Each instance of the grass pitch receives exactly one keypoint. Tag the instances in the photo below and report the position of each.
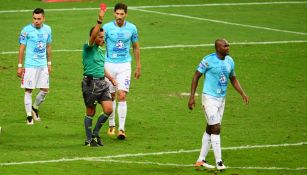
(164, 137)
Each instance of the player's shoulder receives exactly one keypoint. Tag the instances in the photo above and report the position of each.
(108, 25)
(46, 27)
(129, 24)
(28, 27)
(210, 57)
(229, 58)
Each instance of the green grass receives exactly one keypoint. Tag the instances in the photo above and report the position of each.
(158, 118)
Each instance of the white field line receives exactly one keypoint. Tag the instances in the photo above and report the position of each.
(222, 22)
(161, 6)
(181, 46)
(147, 154)
(191, 165)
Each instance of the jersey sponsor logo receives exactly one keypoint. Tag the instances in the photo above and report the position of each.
(40, 47)
(222, 79)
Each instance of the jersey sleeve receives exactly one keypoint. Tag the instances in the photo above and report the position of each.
(23, 37)
(135, 36)
(203, 66)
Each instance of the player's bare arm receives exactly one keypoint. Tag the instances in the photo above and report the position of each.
(49, 57)
(235, 83)
(20, 60)
(136, 52)
(194, 84)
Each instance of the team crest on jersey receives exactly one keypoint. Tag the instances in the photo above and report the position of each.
(45, 35)
(127, 35)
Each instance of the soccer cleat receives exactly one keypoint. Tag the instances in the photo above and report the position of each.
(35, 114)
(220, 166)
(30, 120)
(203, 163)
(98, 140)
(121, 135)
(91, 143)
(111, 131)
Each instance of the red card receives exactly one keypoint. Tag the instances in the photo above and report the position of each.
(103, 7)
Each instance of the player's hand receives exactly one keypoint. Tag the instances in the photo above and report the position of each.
(245, 99)
(191, 103)
(20, 72)
(137, 73)
(49, 69)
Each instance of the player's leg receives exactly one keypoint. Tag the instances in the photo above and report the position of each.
(111, 68)
(216, 112)
(28, 83)
(123, 89)
(43, 84)
(28, 106)
(206, 140)
(112, 124)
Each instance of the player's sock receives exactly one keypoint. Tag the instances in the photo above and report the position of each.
(204, 147)
(88, 127)
(28, 103)
(100, 121)
(216, 145)
(40, 97)
(112, 116)
(122, 113)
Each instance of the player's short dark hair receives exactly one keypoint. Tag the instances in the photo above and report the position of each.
(39, 11)
(121, 6)
(100, 30)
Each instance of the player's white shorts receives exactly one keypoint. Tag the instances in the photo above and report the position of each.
(35, 78)
(213, 108)
(122, 74)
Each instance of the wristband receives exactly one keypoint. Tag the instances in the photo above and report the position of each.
(49, 63)
(19, 65)
(99, 22)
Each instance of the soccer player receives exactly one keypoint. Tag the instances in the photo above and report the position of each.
(35, 39)
(217, 68)
(119, 35)
(94, 87)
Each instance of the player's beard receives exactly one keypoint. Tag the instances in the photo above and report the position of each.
(120, 21)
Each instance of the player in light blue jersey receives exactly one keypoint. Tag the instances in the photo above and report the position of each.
(34, 62)
(217, 68)
(119, 36)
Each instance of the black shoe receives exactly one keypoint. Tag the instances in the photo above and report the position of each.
(35, 114)
(91, 143)
(98, 140)
(30, 120)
